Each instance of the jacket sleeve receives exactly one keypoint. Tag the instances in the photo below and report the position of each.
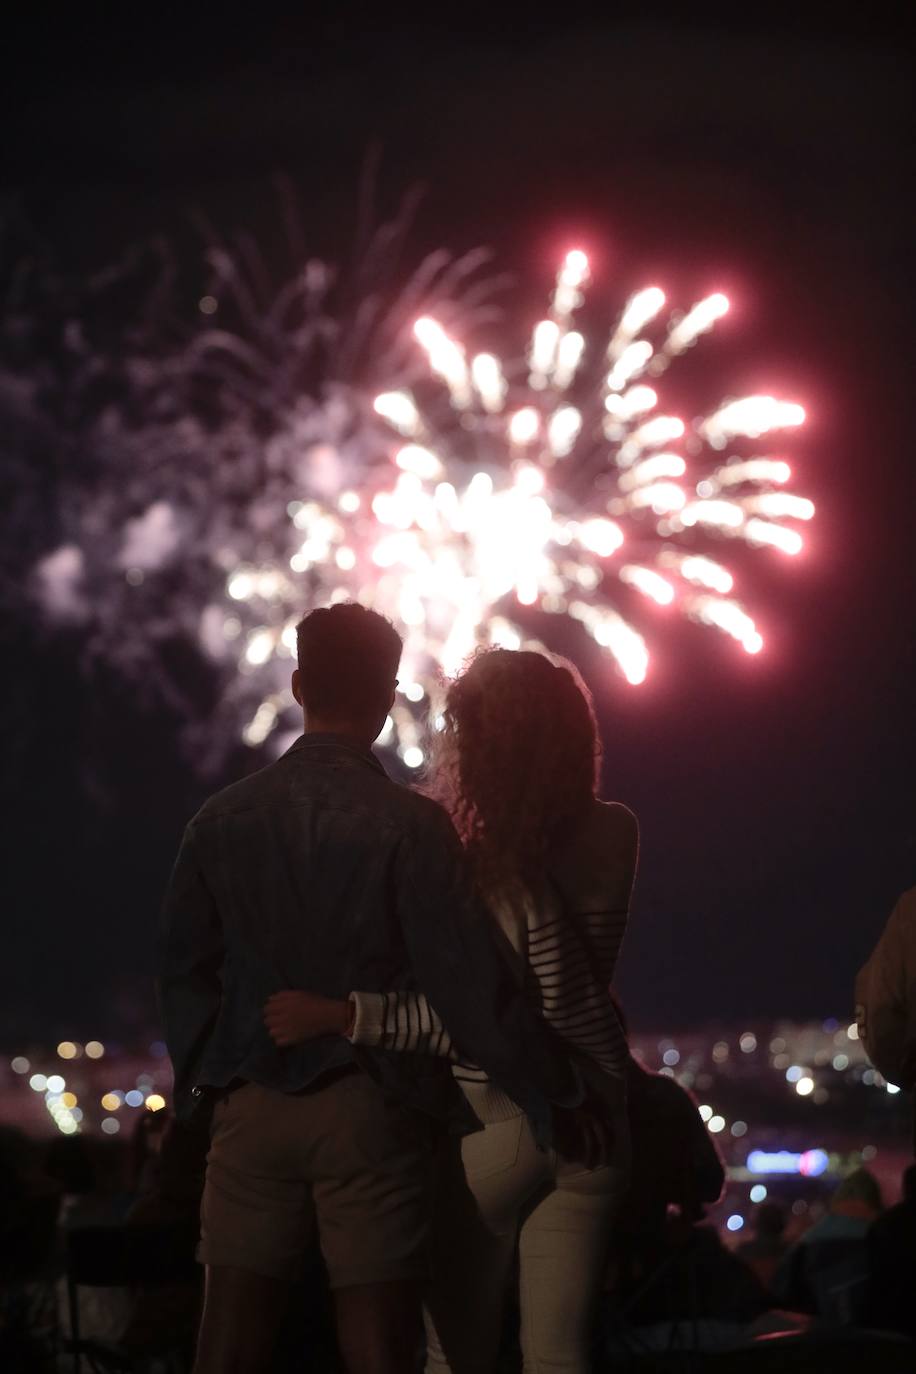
(451, 941)
(886, 997)
(190, 968)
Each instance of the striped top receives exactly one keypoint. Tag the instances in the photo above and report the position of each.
(566, 951)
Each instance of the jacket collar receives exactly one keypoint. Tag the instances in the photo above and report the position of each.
(339, 744)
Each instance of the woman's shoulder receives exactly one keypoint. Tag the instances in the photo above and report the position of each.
(599, 857)
(611, 824)
(613, 814)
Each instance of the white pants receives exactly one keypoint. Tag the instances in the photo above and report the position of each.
(559, 1214)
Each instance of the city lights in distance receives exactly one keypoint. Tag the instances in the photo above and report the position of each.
(94, 1049)
(810, 1163)
(155, 1102)
(758, 1192)
(735, 1222)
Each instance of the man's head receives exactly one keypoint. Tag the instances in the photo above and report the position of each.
(347, 673)
(857, 1190)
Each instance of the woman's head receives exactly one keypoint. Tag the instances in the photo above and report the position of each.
(517, 762)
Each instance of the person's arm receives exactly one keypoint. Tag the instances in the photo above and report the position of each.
(401, 1021)
(452, 944)
(886, 997)
(189, 984)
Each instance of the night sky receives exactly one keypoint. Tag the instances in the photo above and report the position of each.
(776, 794)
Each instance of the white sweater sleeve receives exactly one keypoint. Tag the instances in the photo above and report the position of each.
(401, 1021)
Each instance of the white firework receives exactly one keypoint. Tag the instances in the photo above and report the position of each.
(546, 485)
(300, 450)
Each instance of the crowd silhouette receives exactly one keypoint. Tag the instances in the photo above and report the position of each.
(672, 1287)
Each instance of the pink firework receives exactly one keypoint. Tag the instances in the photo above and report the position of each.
(547, 483)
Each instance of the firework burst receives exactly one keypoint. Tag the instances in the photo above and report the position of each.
(328, 442)
(547, 484)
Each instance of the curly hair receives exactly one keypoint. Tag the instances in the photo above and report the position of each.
(516, 764)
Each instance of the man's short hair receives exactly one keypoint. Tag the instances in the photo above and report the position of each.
(348, 660)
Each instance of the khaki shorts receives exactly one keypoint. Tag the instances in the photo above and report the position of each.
(342, 1164)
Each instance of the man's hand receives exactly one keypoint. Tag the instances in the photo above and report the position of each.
(583, 1135)
(293, 1017)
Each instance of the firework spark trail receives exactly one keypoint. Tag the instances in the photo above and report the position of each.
(469, 487)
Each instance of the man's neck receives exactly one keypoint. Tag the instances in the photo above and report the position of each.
(344, 730)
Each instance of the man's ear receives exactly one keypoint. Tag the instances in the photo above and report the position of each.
(296, 686)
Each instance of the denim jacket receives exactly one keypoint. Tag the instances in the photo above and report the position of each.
(319, 872)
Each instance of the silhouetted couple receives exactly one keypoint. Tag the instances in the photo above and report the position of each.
(398, 1004)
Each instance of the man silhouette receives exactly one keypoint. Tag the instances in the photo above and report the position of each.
(320, 872)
